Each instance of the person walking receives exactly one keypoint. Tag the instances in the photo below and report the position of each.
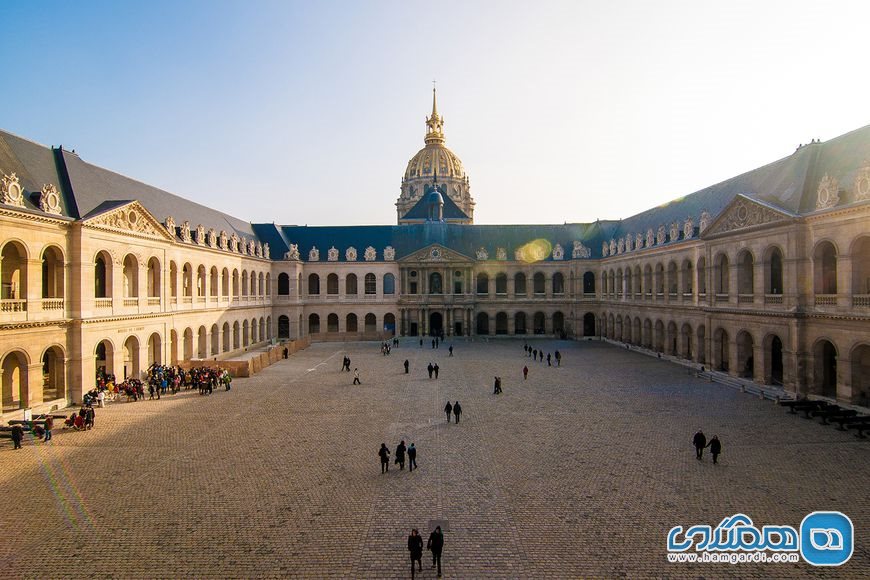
(457, 411)
(496, 387)
(412, 457)
(450, 350)
(525, 373)
(436, 545)
(535, 354)
(384, 454)
(400, 454)
(448, 408)
(558, 358)
(435, 368)
(700, 442)
(407, 364)
(49, 425)
(356, 376)
(17, 436)
(715, 447)
(548, 360)
(415, 547)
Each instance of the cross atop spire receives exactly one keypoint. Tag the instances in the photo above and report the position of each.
(434, 123)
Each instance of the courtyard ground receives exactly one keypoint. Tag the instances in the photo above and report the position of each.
(580, 471)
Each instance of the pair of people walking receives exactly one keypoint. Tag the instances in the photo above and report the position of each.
(433, 369)
(700, 443)
(401, 450)
(345, 364)
(456, 409)
(435, 544)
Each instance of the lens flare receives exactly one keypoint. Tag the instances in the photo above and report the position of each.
(534, 251)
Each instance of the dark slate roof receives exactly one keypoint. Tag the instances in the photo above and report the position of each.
(35, 167)
(465, 239)
(421, 209)
(94, 185)
(790, 183)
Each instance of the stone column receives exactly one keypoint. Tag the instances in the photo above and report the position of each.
(844, 371)
(758, 364)
(844, 285)
(33, 292)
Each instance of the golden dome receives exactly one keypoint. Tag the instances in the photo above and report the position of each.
(435, 157)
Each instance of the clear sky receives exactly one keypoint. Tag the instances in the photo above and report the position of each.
(308, 112)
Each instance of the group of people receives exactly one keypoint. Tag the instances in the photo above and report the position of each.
(456, 409)
(699, 441)
(401, 450)
(433, 369)
(81, 421)
(434, 545)
(538, 355)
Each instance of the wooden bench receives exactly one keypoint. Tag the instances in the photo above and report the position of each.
(845, 421)
(832, 413)
(805, 406)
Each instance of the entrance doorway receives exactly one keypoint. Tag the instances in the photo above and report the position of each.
(436, 324)
(414, 330)
(457, 329)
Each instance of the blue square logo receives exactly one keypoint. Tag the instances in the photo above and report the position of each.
(827, 538)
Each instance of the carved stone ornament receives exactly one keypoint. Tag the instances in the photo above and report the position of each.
(620, 246)
(675, 232)
(558, 252)
(704, 221)
(185, 232)
(243, 245)
(200, 235)
(350, 254)
(49, 200)
(482, 254)
(128, 219)
(500, 254)
(370, 254)
(604, 248)
(252, 248)
(293, 253)
(389, 253)
(224, 241)
(650, 238)
(332, 254)
(661, 236)
(612, 247)
(314, 254)
(688, 228)
(638, 241)
(829, 192)
(628, 240)
(212, 238)
(580, 251)
(10, 191)
(743, 214)
(170, 225)
(259, 249)
(234, 243)
(266, 251)
(862, 183)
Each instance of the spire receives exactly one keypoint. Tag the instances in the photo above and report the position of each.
(434, 123)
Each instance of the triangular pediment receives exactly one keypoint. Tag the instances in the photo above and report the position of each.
(745, 213)
(129, 218)
(435, 253)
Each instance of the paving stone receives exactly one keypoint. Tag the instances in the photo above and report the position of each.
(580, 471)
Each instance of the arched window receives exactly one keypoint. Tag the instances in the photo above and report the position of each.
(774, 272)
(745, 273)
(52, 273)
(389, 284)
(371, 284)
(350, 323)
(314, 287)
(313, 324)
(482, 283)
(284, 285)
(825, 268)
(435, 285)
(350, 286)
(588, 283)
(283, 326)
(520, 284)
(501, 288)
(371, 323)
(861, 268)
(332, 322)
(225, 282)
(332, 288)
(721, 274)
(538, 283)
(131, 276)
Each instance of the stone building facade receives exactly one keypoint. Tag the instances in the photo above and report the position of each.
(764, 276)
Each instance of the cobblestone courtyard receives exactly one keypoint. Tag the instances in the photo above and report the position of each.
(579, 471)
